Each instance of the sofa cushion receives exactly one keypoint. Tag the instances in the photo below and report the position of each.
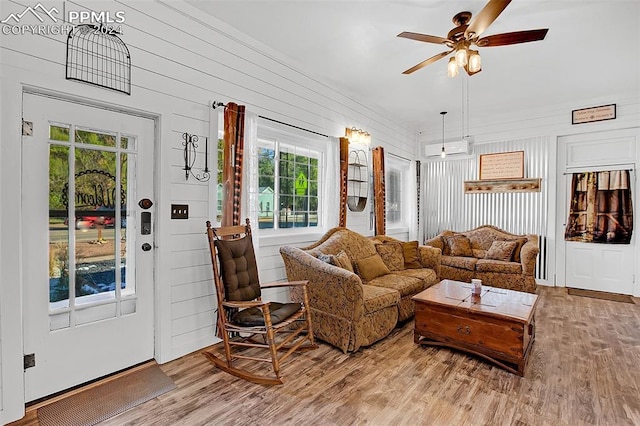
(404, 284)
(392, 255)
(371, 267)
(501, 250)
(342, 260)
(377, 298)
(459, 245)
(489, 265)
(459, 262)
(428, 276)
(410, 252)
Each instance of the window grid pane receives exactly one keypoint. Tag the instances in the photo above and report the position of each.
(288, 183)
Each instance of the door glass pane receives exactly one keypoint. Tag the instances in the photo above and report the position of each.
(95, 138)
(96, 198)
(59, 132)
(58, 226)
(127, 221)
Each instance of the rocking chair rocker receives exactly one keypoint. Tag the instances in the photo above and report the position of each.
(243, 316)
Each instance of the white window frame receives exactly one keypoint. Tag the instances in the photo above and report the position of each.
(269, 135)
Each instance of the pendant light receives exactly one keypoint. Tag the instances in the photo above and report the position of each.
(443, 154)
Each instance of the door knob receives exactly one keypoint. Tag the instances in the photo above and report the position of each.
(146, 247)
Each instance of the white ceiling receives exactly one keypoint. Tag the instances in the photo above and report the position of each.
(352, 45)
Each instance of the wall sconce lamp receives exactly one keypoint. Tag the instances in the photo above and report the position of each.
(190, 152)
(357, 136)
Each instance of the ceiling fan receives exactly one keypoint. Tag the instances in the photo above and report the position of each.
(467, 34)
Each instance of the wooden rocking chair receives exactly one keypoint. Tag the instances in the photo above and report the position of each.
(242, 315)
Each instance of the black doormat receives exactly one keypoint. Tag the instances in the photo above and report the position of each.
(600, 295)
(107, 398)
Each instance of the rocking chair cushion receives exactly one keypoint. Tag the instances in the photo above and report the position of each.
(238, 269)
(252, 317)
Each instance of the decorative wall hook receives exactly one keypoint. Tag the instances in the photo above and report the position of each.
(217, 104)
(190, 151)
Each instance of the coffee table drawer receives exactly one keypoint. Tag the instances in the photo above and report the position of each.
(470, 329)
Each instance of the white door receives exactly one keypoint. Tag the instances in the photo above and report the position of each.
(596, 266)
(87, 244)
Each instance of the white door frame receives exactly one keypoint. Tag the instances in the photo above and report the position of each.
(606, 164)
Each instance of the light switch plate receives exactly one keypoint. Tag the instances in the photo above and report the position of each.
(179, 211)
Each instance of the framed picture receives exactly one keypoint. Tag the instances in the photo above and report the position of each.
(502, 165)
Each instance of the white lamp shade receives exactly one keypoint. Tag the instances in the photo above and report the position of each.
(461, 57)
(452, 68)
(475, 62)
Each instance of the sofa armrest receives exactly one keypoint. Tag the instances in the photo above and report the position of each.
(331, 289)
(430, 258)
(528, 254)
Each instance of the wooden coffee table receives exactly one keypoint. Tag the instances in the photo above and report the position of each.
(498, 325)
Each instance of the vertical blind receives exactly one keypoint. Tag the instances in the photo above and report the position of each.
(446, 206)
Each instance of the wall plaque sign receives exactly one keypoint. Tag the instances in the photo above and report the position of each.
(502, 165)
(588, 115)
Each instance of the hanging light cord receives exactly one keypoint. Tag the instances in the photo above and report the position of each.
(443, 154)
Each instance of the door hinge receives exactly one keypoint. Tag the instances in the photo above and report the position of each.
(29, 361)
(27, 128)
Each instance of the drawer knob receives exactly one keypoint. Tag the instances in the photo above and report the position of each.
(466, 330)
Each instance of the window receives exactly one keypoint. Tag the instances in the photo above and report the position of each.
(396, 181)
(289, 167)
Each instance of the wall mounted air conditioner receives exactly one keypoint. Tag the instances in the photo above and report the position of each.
(451, 148)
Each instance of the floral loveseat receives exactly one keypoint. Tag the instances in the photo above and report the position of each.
(498, 258)
(359, 287)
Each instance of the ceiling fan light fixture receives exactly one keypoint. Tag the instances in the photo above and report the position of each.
(475, 61)
(452, 68)
(461, 56)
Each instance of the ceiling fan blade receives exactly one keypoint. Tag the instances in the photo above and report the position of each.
(512, 38)
(424, 37)
(427, 62)
(487, 15)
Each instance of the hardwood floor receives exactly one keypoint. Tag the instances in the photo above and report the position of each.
(584, 370)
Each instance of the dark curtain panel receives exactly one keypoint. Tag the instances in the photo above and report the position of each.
(237, 172)
(601, 210)
(344, 166)
(232, 169)
(379, 190)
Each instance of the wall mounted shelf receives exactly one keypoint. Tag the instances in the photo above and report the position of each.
(502, 185)
(357, 181)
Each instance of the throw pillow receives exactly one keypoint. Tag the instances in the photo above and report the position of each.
(459, 245)
(327, 258)
(392, 256)
(371, 267)
(501, 250)
(410, 253)
(445, 246)
(516, 252)
(342, 260)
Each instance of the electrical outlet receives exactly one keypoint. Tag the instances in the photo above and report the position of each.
(179, 211)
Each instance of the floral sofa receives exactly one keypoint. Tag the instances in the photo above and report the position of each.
(360, 287)
(498, 258)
